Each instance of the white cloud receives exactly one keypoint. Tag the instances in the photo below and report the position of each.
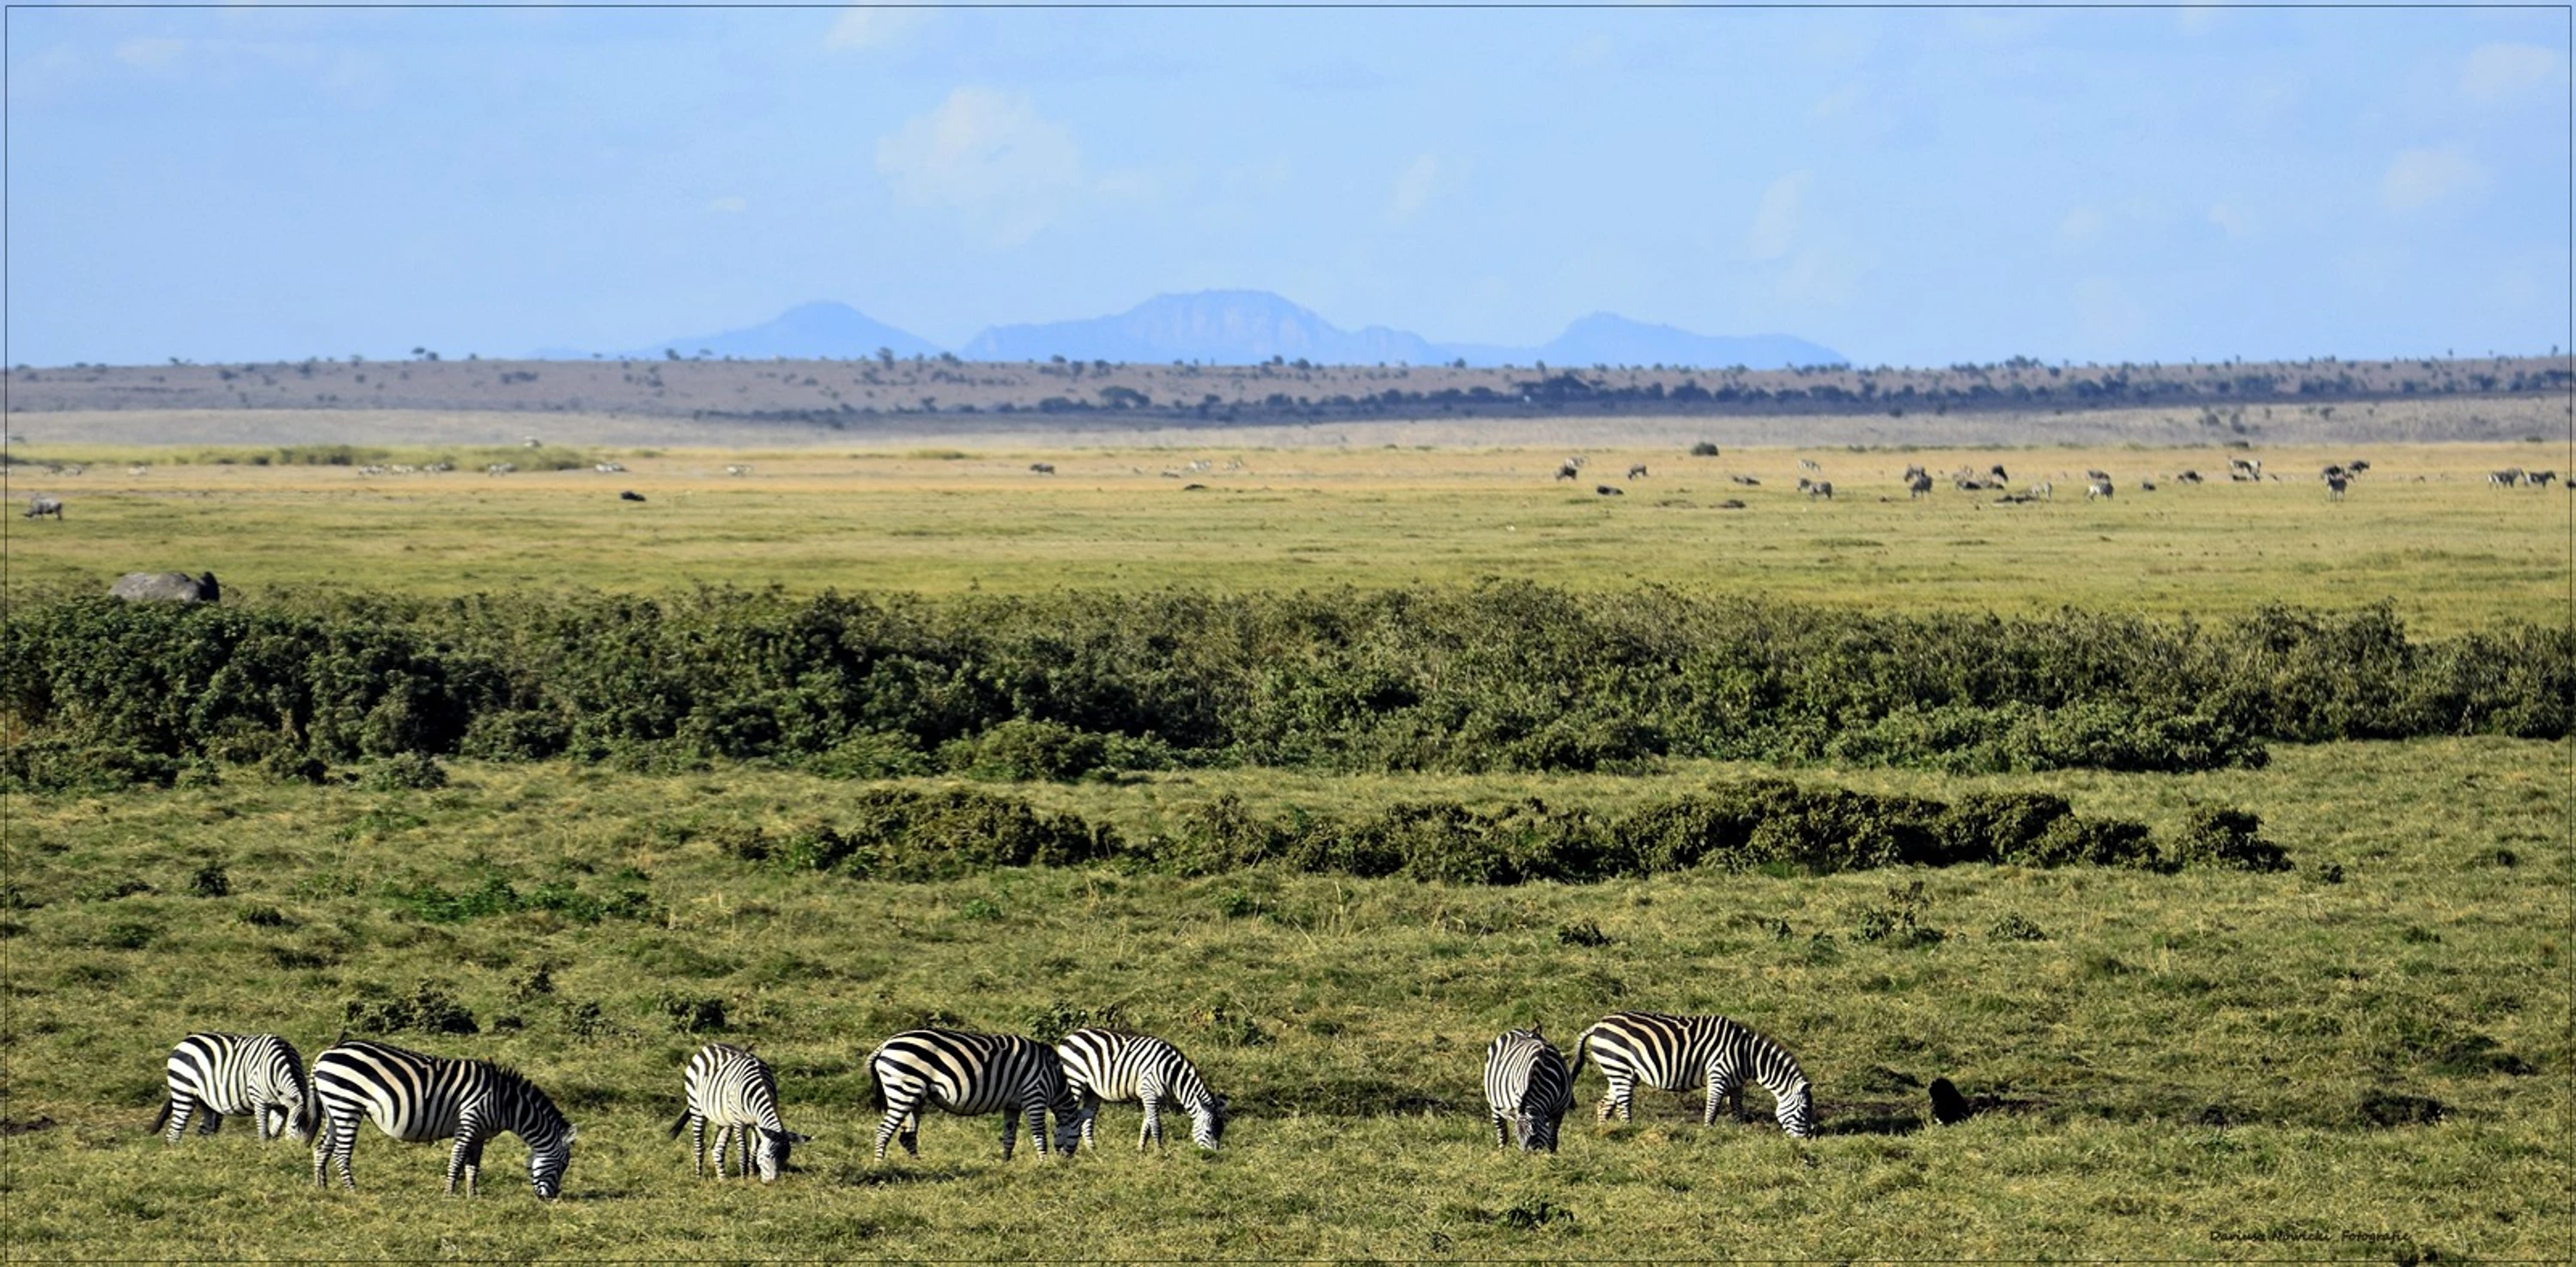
(1777, 220)
(731, 205)
(2422, 178)
(1425, 180)
(2502, 72)
(151, 52)
(862, 28)
(986, 154)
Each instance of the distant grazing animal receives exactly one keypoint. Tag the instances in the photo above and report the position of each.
(2146, 486)
(1106, 1065)
(2334, 472)
(500, 468)
(610, 468)
(1527, 1087)
(1569, 470)
(1805, 464)
(2506, 478)
(1746, 480)
(2188, 477)
(420, 1099)
(735, 1092)
(2356, 466)
(1684, 1053)
(1730, 504)
(2097, 475)
(1917, 482)
(970, 1075)
(2096, 487)
(1193, 488)
(2244, 469)
(437, 468)
(40, 506)
(1609, 490)
(166, 587)
(2335, 483)
(1996, 473)
(1638, 471)
(1816, 488)
(2043, 489)
(1043, 468)
(629, 495)
(2539, 479)
(1949, 1108)
(223, 1075)
(373, 470)
(139, 468)
(738, 468)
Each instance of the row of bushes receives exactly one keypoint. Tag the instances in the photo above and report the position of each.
(1765, 825)
(1504, 676)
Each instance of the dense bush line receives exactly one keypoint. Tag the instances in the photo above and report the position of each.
(1495, 676)
(1755, 825)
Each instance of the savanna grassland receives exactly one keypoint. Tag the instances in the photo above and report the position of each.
(2363, 1055)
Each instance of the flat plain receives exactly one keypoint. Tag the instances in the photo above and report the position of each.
(2368, 1056)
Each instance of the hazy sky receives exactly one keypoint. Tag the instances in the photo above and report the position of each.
(1906, 187)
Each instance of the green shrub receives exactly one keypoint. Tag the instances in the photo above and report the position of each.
(430, 1008)
(404, 771)
(2213, 837)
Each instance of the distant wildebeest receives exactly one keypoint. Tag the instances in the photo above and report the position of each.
(629, 495)
(1569, 470)
(2097, 488)
(1637, 471)
(2539, 479)
(166, 587)
(2334, 472)
(1917, 481)
(2146, 486)
(1609, 490)
(1817, 488)
(1996, 473)
(2188, 477)
(1043, 468)
(2506, 478)
(40, 506)
(2356, 466)
(1746, 480)
(2335, 483)
(2104, 476)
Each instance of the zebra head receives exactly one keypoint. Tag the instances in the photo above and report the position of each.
(303, 1116)
(770, 1155)
(1797, 1111)
(548, 1158)
(1207, 1122)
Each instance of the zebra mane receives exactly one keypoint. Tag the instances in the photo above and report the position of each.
(509, 1078)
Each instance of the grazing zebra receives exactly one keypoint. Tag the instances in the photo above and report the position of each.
(970, 1075)
(1996, 473)
(1105, 1065)
(735, 1092)
(2044, 489)
(1746, 480)
(1526, 1083)
(1677, 1053)
(2539, 479)
(1816, 488)
(2243, 469)
(738, 469)
(219, 1074)
(2188, 477)
(501, 468)
(421, 1099)
(1808, 464)
(2096, 487)
(2506, 478)
(1609, 490)
(1917, 481)
(1569, 470)
(1637, 471)
(610, 468)
(1042, 468)
(2335, 484)
(38, 507)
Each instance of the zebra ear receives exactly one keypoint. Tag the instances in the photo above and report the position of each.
(572, 1134)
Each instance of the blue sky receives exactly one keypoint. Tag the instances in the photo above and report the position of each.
(1909, 187)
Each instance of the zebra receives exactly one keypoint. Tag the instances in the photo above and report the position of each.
(970, 1075)
(1569, 469)
(1676, 1053)
(38, 507)
(1042, 468)
(1816, 488)
(2188, 477)
(1746, 480)
(2096, 488)
(2506, 478)
(420, 1099)
(1609, 490)
(1106, 1065)
(735, 1092)
(1526, 1084)
(2539, 479)
(1917, 481)
(2244, 469)
(218, 1074)
(1637, 471)
(2335, 484)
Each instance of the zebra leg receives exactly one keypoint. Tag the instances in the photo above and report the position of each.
(698, 1143)
(1153, 1128)
(724, 1140)
(181, 1108)
(467, 1157)
(1011, 1132)
(344, 1147)
(1501, 1139)
(1089, 1115)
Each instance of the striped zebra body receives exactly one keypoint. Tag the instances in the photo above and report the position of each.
(970, 1075)
(1528, 1086)
(421, 1099)
(1680, 1053)
(1105, 1065)
(735, 1092)
(219, 1074)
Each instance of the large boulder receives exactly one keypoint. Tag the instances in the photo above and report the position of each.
(166, 587)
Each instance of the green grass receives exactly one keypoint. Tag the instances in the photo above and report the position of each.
(2179, 1059)
(2422, 529)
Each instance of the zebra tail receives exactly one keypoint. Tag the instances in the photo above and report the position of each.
(162, 1118)
(683, 1123)
(1582, 1044)
(876, 1089)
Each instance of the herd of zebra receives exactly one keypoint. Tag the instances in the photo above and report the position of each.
(420, 1098)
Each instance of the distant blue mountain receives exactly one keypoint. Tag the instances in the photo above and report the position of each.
(805, 331)
(1243, 327)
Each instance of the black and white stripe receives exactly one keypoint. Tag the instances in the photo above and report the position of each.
(1528, 1086)
(1680, 1053)
(421, 1099)
(735, 1092)
(1101, 1064)
(969, 1075)
(220, 1074)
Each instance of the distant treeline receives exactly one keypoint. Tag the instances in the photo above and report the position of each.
(1501, 676)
